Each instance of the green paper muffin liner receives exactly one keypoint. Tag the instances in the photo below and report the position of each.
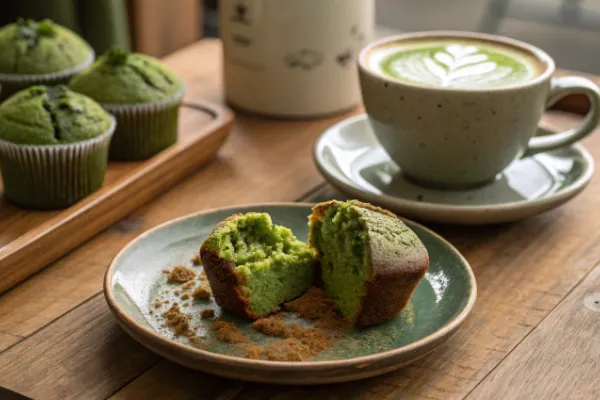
(46, 177)
(144, 130)
(12, 83)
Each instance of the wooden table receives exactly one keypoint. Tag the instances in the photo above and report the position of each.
(534, 332)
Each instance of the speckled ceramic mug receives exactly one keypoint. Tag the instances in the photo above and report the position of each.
(454, 109)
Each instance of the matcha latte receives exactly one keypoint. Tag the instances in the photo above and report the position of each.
(455, 63)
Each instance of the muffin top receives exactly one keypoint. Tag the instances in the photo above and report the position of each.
(118, 77)
(30, 47)
(50, 115)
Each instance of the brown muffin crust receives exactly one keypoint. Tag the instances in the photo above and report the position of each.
(225, 284)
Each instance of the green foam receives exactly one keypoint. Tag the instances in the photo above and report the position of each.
(409, 65)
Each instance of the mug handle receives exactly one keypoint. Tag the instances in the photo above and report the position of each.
(560, 87)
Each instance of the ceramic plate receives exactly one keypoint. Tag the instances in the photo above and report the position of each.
(350, 157)
(135, 279)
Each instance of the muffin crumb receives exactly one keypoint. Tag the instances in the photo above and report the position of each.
(178, 321)
(188, 285)
(254, 352)
(228, 332)
(315, 305)
(202, 292)
(185, 296)
(180, 274)
(316, 339)
(207, 313)
(287, 350)
(197, 260)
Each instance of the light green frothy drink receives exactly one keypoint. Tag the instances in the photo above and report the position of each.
(454, 64)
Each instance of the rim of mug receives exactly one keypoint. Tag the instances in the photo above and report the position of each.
(535, 51)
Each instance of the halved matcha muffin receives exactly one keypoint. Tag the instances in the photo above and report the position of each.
(53, 146)
(142, 94)
(371, 262)
(41, 52)
(253, 265)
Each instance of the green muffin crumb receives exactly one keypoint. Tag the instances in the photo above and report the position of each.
(50, 115)
(274, 266)
(119, 77)
(342, 233)
(31, 47)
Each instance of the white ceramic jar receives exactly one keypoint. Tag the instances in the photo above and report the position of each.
(293, 58)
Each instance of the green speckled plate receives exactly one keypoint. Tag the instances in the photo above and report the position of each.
(134, 281)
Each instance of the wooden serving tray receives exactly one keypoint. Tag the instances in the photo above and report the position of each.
(30, 240)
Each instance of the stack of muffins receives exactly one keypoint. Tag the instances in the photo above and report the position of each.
(55, 140)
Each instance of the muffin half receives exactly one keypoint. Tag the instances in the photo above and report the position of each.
(371, 262)
(253, 265)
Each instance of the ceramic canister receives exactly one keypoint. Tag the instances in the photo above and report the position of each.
(293, 58)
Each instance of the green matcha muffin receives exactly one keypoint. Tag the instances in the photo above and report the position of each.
(143, 95)
(253, 266)
(39, 53)
(53, 146)
(371, 262)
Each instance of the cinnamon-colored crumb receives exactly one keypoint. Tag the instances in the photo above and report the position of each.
(196, 259)
(188, 285)
(254, 352)
(202, 276)
(272, 326)
(180, 274)
(207, 313)
(185, 296)
(176, 292)
(196, 340)
(316, 339)
(157, 303)
(177, 320)
(201, 292)
(287, 350)
(228, 332)
(166, 271)
(315, 305)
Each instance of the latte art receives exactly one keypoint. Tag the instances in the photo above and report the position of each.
(455, 65)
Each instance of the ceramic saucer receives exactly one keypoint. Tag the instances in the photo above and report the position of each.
(350, 157)
(136, 291)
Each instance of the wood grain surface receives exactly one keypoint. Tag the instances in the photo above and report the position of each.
(532, 277)
(7, 340)
(29, 240)
(561, 355)
(81, 356)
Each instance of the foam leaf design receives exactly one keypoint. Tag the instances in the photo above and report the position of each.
(455, 65)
